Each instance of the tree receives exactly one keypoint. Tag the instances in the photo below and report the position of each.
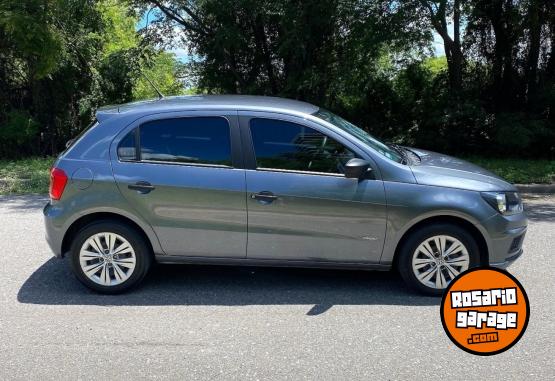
(440, 12)
(48, 48)
(513, 43)
(60, 60)
(368, 60)
(165, 72)
(288, 48)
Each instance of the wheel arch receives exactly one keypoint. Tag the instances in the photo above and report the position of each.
(89, 218)
(447, 219)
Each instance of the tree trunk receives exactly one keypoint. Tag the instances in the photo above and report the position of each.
(534, 49)
(551, 61)
(262, 47)
(456, 52)
(503, 61)
(452, 46)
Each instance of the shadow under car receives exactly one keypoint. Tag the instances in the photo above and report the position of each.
(187, 285)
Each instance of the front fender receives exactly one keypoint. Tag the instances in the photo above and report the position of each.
(426, 202)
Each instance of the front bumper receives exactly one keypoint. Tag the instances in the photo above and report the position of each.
(506, 236)
(508, 261)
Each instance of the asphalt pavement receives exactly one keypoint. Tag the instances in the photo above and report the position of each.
(201, 322)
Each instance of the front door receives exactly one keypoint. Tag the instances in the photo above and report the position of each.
(300, 205)
(182, 180)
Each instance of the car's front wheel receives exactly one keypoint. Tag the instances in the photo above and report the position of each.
(109, 257)
(434, 255)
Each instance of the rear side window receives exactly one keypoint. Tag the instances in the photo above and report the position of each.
(199, 140)
(290, 146)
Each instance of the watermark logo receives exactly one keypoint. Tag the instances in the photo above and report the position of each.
(485, 311)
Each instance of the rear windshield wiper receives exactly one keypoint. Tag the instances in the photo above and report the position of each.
(70, 142)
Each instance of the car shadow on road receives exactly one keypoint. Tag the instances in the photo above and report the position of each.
(540, 212)
(23, 203)
(53, 284)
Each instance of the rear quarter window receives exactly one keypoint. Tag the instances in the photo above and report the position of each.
(90, 145)
(126, 148)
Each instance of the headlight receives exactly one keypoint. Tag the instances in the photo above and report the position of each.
(506, 203)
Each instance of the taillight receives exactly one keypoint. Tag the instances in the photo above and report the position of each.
(58, 181)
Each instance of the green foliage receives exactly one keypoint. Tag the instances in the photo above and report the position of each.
(19, 127)
(519, 171)
(119, 27)
(119, 71)
(164, 73)
(435, 65)
(59, 61)
(369, 61)
(18, 132)
(25, 25)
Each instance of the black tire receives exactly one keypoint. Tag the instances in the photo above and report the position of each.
(143, 255)
(408, 248)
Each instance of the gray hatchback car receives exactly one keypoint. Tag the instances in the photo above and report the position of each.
(247, 180)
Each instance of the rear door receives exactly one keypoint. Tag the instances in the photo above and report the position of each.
(181, 172)
(300, 205)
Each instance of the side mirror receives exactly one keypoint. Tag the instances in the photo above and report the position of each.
(356, 168)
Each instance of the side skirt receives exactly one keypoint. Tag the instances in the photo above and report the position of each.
(270, 263)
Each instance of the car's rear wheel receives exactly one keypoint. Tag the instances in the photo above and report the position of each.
(434, 255)
(109, 257)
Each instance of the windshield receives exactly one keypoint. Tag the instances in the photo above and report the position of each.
(359, 133)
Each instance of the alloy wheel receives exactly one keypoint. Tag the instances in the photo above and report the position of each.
(107, 259)
(438, 260)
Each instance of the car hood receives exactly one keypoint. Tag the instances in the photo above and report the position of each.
(445, 171)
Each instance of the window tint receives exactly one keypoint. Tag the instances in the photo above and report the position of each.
(285, 145)
(126, 148)
(203, 140)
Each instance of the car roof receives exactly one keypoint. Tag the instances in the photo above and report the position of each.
(206, 102)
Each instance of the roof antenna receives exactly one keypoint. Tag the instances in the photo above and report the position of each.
(160, 95)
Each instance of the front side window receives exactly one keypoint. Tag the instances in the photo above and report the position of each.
(195, 140)
(290, 146)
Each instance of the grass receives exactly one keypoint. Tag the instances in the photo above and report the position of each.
(519, 171)
(32, 175)
(25, 176)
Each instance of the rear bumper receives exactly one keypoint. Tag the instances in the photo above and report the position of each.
(54, 235)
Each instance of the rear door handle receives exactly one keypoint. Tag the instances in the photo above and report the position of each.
(264, 197)
(142, 187)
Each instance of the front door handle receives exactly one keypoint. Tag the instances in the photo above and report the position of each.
(264, 197)
(142, 187)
